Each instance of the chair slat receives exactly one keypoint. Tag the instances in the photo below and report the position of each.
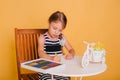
(28, 46)
(32, 46)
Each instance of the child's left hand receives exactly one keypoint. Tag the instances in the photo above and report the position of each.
(69, 56)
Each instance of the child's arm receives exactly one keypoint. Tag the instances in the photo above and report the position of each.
(41, 41)
(71, 51)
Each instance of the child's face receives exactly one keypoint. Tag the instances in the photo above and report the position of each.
(55, 29)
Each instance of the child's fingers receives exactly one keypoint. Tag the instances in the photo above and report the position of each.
(57, 58)
(68, 57)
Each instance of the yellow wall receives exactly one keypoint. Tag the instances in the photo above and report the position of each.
(91, 20)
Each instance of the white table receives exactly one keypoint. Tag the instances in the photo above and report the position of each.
(73, 68)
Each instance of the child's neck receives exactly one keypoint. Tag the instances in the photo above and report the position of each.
(50, 37)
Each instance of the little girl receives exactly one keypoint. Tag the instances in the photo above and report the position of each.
(52, 42)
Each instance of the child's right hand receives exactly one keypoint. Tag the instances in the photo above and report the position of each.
(56, 58)
(69, 56)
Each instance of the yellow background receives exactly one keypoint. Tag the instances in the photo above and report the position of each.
(91, 20)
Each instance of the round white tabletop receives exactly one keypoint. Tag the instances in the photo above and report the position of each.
(73, 68)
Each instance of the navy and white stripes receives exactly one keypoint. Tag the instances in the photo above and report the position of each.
(52, 47)
(43, 76)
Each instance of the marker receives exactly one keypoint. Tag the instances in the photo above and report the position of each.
(56, 54)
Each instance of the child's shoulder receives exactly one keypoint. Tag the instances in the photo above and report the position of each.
(41, 37)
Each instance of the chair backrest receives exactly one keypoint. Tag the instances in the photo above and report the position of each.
(26, 44)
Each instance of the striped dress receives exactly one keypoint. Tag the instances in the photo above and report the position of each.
(52, 48)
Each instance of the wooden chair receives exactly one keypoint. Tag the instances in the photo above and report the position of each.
(26, 49)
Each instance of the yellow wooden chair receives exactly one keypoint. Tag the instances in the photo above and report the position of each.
(26, 49)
